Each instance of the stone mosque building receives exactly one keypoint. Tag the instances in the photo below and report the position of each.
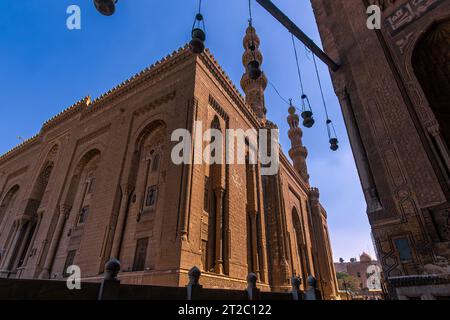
(394, 88)
(97, 182)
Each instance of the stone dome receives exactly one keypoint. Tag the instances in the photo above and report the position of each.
(364, 257)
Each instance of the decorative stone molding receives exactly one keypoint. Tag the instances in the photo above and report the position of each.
(406, 13)
(420, 280)
(220, 111)
(93, 135)
(156, 103)
(65, 209)
(228, 86)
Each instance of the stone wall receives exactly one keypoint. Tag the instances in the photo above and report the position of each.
(393, 131)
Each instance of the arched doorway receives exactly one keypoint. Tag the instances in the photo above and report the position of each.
(431, 62)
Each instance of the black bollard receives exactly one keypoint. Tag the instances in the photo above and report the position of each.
(252, 290)
(296, 293)
(194, 283)
(109, 288)
(312, 293)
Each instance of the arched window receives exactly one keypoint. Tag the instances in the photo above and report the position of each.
(83, 200)
(80, 197)
(25, 233)
(213, 199)
(431, 62)
(149, 169)
(250, 185)
(300, 244)
(148, 155)
(8, 203)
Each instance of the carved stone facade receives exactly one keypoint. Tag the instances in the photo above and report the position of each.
(394, 89)
(98, 182)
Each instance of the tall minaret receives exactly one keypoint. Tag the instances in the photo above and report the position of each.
(254, 89)
(298, 152)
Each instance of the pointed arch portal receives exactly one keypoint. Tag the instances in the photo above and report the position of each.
(431, 62)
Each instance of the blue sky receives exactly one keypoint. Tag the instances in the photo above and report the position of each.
(44, 68)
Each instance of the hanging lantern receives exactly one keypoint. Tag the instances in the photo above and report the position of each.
(332, 135)
(198, 34)
(197, 43)
(254, 66)
(254, 70)
(307, 114)
(308, 120)
(106, 7)
(334, 144)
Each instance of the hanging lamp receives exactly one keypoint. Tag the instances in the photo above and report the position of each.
(198, 33)
(333, 140)
(332, 136)
(307, 113)
(106, 7)
(254, 66)
(254, 70)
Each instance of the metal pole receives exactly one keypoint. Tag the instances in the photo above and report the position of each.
(298, 33)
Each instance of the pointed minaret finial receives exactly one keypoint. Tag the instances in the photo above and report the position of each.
(298, 152)
(254, 89)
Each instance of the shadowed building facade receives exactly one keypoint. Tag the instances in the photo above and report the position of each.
(98, 182)
(394, 90)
